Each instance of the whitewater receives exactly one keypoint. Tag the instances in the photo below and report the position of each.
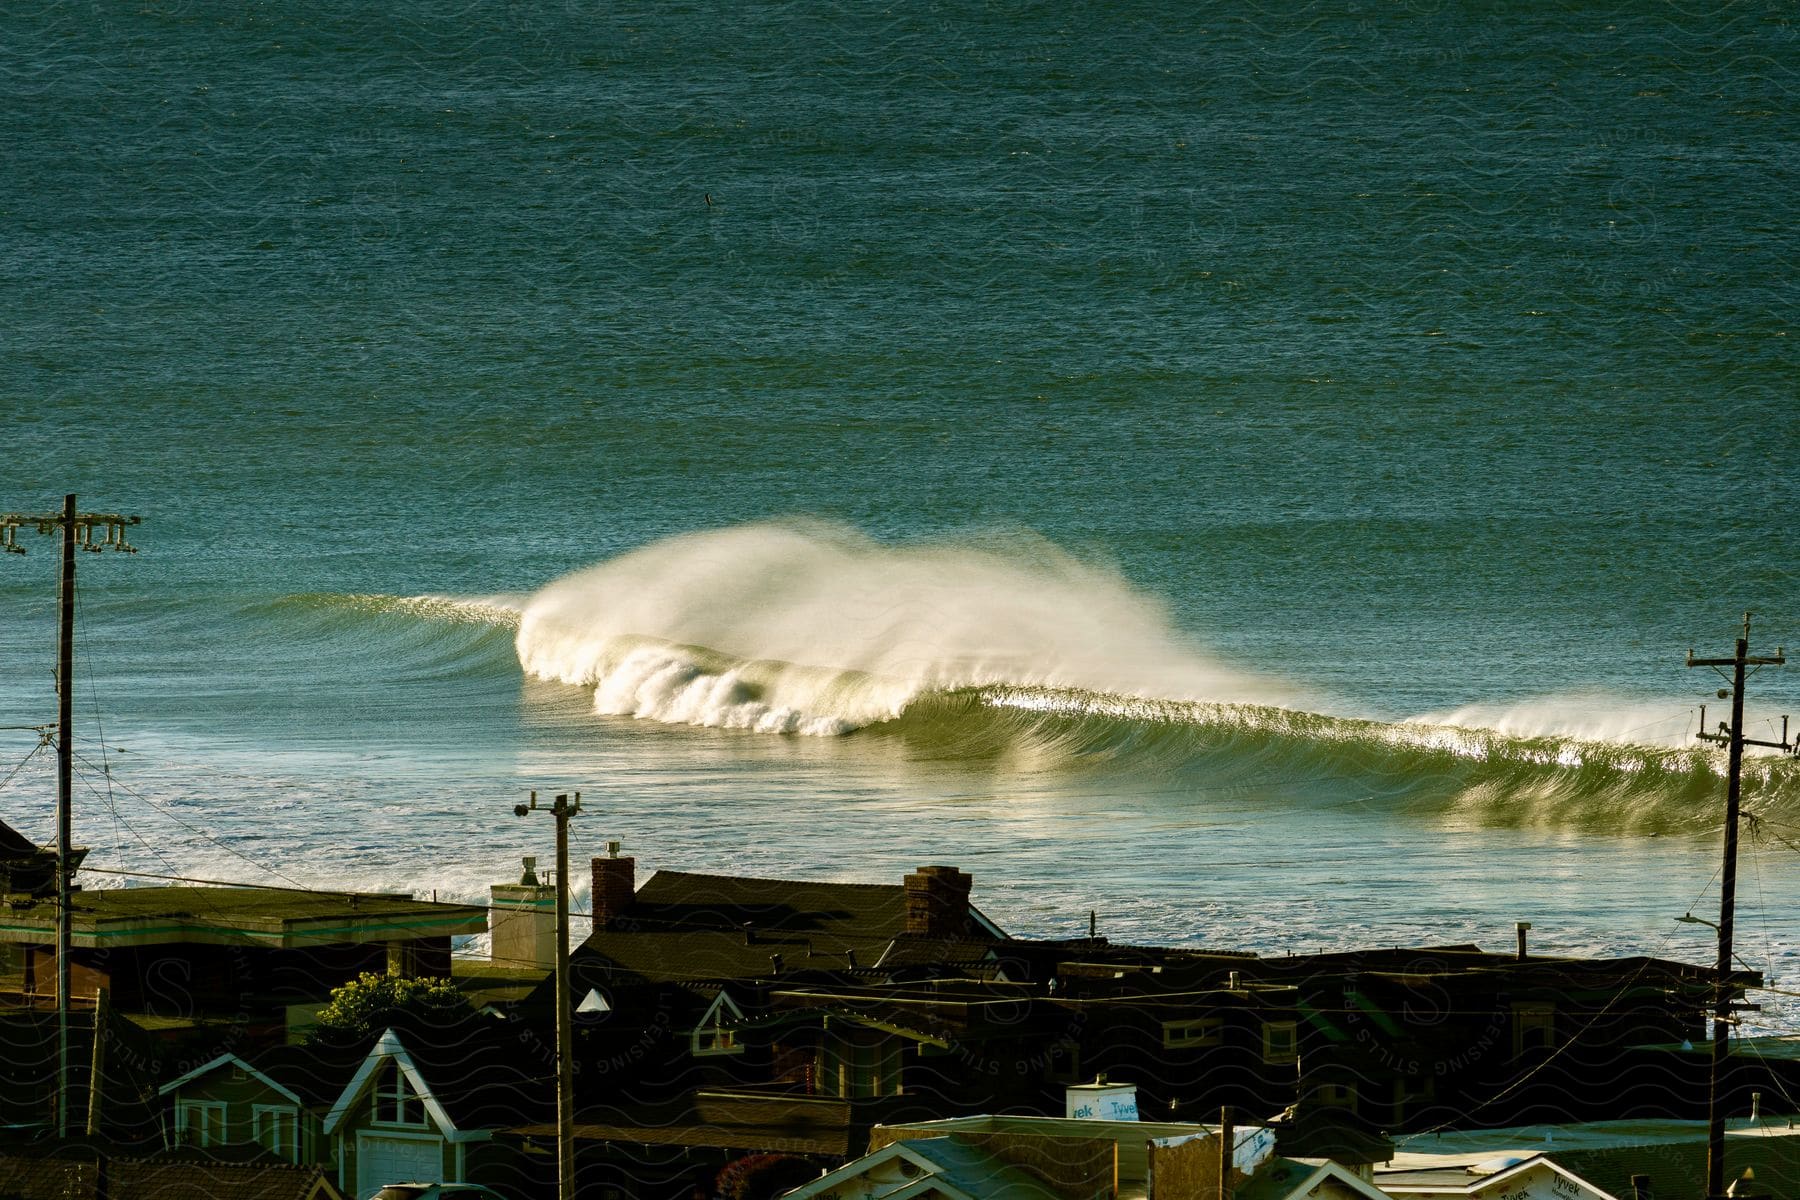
(1008, 649)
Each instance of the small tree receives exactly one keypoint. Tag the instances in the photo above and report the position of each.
(763, 1176)
(370, 1001)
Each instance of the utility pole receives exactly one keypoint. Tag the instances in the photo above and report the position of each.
(77, 530)
(1731, 736)
(562, 809)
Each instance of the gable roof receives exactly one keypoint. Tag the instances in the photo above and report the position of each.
(222, 1061)
(941, 1165)
(684, 927)
(1283, 1178)
(679, 899)
(1452, 1181)
(470, 1078)
(792, 1124)
(72, 1178)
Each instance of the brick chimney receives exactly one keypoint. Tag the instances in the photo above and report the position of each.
(615, 884)
(937, 902)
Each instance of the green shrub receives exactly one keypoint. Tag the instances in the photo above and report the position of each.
(370, 1002)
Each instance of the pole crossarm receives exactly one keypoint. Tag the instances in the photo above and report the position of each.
(1726, 980)
(77, 530)
(111, 525)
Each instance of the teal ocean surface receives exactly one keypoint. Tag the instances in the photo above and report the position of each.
(1254, 475)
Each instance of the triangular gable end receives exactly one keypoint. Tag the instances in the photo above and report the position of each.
(389, 1047)
(928, 1188)
(1343, 1175)
(323, 1189)
(715, 1013)
(1581, 1185)
(830, 1180)
(223, 1060)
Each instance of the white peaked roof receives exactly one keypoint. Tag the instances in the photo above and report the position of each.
(389, 1047)
(223, 1060)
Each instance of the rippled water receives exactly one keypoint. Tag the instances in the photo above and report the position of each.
(1255, 476)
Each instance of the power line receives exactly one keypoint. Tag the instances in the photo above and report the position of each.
(166, 811)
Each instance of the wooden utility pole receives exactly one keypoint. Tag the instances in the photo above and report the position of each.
(562, 809)
(77, 529)
(1731, 736)
(97, 1067)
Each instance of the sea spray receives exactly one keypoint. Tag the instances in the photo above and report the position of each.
(815, 628)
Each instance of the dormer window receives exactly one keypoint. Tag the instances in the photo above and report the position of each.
(396, 1103)
(1280, 1046)
(714, 1034)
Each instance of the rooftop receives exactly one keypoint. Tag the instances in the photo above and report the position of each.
(1462, 1148)
(150, 916)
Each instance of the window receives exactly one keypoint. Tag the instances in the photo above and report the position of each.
(715, 1041)
(396, 1103)
(1182, 1034)
(1534, 1026)
(277, 1128)
(1335, 1095)
(200, 1122)
(1279, 1044)
(711, 1036)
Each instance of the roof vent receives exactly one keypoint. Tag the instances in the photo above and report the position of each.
(529, 878)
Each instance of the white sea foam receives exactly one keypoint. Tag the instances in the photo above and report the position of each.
(1590, 718)
(810, 627)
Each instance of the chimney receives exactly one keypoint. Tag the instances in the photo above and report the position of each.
(615, 885)
(522, 921)
(937, 902)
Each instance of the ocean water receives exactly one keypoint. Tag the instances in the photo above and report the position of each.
(1252, 475)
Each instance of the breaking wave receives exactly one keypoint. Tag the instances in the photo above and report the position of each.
(1010, 650)
(814, 628)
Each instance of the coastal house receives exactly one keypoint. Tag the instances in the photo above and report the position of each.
(228, 965)
(425, 1102)
(276, 1101)
(1597, 1159)
(730, 1016)
(674, 970)
(1394, 1039)
(120, 1108)
(1051, 1158)
(82, 1175)
(688, 1052)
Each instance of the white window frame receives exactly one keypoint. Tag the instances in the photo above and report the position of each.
(394, 1092)
(274, 1115)
(1203, 1031)
(1286, 1057)
(711, 1039)
(212, 1122)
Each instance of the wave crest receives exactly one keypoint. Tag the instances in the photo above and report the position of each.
(815, 628)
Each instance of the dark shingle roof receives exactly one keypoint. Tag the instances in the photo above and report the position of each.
(862, 911)
(54, 1178)
(481, 1071)
(691, 928)
(787, 1124)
